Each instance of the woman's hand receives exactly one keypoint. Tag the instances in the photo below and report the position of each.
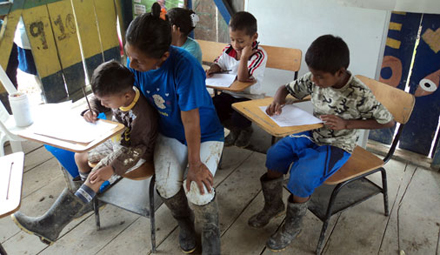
(101, 175)
(90, 116)
(201, 175)
(334, 122)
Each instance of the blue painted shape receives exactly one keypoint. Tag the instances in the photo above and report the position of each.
(75, 77)
(224, 9)
(53, 87)
(420, 130)
(113, 53)
(92, 63)
(407, 36)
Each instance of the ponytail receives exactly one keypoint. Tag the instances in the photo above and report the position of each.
(149, 33)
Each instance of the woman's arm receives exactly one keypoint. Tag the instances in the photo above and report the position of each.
(198, 172)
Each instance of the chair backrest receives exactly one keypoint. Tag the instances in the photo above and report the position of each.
(277, 57)
(398, 102)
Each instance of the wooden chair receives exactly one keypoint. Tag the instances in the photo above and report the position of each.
(361, 164)
(288, 59)
(135, 193)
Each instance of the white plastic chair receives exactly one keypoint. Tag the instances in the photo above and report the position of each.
(7, 122)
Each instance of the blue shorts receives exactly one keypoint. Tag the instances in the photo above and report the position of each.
(310, 165)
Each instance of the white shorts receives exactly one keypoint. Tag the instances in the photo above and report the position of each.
(170, 163)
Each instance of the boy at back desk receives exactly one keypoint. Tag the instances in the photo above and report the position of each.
(130, 153)
(244, 58)
(345, 105)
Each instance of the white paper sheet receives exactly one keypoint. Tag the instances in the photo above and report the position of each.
(292, 115)
(221, 80)
(73, 128)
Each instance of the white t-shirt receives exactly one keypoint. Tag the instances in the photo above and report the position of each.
(256, 66)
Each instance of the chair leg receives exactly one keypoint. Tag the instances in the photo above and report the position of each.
(152, 213)
(96, 209)
(327, 217)
(16, 146)
(385, 191)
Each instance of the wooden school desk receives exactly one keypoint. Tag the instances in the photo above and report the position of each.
(251, 110)
(39, 118)
(11, 182)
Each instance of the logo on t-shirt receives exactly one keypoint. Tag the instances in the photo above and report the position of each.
(159, 101)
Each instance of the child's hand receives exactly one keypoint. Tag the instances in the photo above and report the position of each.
(90, 116)
(275, 108)
(212, 70)
(247, 52)
(101, 175)
(201, 175)
(334, 122)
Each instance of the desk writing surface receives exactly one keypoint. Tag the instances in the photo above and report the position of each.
(47, 114)
(236, 86)
(70, 145)
(11, 181)
(251, 110)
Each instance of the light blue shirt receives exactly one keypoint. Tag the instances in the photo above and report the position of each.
(193, 47)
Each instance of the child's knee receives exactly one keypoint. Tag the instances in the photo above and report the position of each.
(166, 189)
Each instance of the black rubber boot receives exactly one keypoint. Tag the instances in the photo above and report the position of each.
(291, 227)
(178, 205)
(207, 215)
(49, 226)
(244, 138)
(273, 202)
(232, 137)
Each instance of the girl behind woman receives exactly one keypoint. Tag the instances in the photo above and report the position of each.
(183, 22)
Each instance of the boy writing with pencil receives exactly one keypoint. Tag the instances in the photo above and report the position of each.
(130, 153)
(244, 58)
(345, 105)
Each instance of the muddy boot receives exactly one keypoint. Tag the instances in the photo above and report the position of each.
(291, 227)
(207, 215)
(49, 226)
(178, 204)
(244, 138)
(273, 202)
(232, 137)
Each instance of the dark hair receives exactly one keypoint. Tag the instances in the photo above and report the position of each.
(182, 19)
(328, 53)
(149, 33)
(243, 21)
(111, 78)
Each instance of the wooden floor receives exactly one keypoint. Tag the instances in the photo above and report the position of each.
(413, 226)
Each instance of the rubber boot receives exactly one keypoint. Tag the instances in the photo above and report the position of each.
(244, 138)
(178, 204)
(207, 215)
(49, 226)
(291, 228)
(273, 202)
(232, 137)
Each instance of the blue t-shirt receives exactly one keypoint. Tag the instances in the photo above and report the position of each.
(193, 47)
(179, 85)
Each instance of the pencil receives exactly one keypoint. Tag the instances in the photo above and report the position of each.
(87, 100)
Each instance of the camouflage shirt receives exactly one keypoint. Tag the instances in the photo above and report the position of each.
(353, 101)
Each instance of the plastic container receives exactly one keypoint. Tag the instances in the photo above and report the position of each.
(20, 109)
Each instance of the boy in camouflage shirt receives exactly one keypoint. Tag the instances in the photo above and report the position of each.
(345, 105)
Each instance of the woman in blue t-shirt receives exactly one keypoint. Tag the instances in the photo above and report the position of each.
(190, 133)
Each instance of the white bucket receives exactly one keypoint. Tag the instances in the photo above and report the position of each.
(21, 109)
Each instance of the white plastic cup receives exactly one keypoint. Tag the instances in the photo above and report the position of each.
(20, 109)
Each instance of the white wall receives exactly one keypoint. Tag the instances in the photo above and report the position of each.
(296, 23)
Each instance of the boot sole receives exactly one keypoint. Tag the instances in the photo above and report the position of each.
(283, 212)
(189, 251)
(282, 249)
(43, 239)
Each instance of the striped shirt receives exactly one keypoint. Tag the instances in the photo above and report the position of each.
(256, 66)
